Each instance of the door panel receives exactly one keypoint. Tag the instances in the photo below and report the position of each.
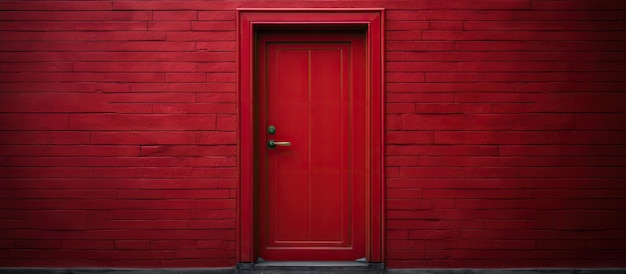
(311, 195)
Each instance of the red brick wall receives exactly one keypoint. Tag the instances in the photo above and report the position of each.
(506, 140)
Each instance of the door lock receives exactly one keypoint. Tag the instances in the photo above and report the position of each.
(271, 129)
(272, 144)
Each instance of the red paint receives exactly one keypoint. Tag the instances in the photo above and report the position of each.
(251, 20)
(123, 140)
(311, 195)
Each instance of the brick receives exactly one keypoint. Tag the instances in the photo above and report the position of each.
(37, 244)
(174, 15)
(205, 36)
(409, 137)
(403, 35)
(72, 46)
(420, 97)
(406, 25)
(126, 244)
(519, 122)
(462, 172)
(578, 5)
(496, 97)
(174, 5)
(404, 244)
(197, 161)
(69, 150)
(553, 88)
(420, 46)
(135, 66)
(217, 15)
(213, 214)
(448, 87)
(600, 121)
(432, 122)
(419, 204)
(606, 244)
(421, 66)
(426, 150)
(68, 220)
(491, 138)
(226, 122)
(226, 108)
(436, 108)
(514, 66)
(404, 77)
(217, 67)
(142, 122)
(121, 56)
(400, 108)
(186, 150)
(564, 161)
(185, 77)
(436, 224)
(561, 244)
(34, 172)
(563, 150)
(404, 193)
(83, 15)
(213, 25)
(44, 67)
(58, 6)
(444, 77)
(183, 87)
(44, 137)
(73, 26)
(198, 263)
(97, 36)
(393, 122)
(589, 137)
(169, 26)
(174, 194)
(63, 194)
(64, 87)
(87, 244)
(580, 193)
(142, 138)
(172, 244)
(51, 103)
(212, 224)
(216, 138)
(53, 77)
(445, 25)
(163, 172)
(541, 26)
(499, 35)
(553, 45)
(565, 172)
(216, 46)
(397, 234)
(34, 121)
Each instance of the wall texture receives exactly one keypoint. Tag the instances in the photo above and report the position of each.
(506, 132)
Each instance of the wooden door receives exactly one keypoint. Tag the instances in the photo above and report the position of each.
(311, 187)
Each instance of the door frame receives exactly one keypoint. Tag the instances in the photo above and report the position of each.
(248, 22)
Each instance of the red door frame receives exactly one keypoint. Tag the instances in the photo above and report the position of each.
(248, 22)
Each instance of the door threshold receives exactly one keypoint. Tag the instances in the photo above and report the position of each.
(311, 267)
(311, 264)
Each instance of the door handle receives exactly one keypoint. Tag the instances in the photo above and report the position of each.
(272, 144)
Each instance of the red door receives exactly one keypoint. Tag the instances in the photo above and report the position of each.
(312, 178)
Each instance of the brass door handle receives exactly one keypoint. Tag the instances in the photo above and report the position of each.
(272, 144)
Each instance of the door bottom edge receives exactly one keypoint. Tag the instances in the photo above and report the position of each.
(310, 266)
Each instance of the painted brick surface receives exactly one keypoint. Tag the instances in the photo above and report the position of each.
(505, 133)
